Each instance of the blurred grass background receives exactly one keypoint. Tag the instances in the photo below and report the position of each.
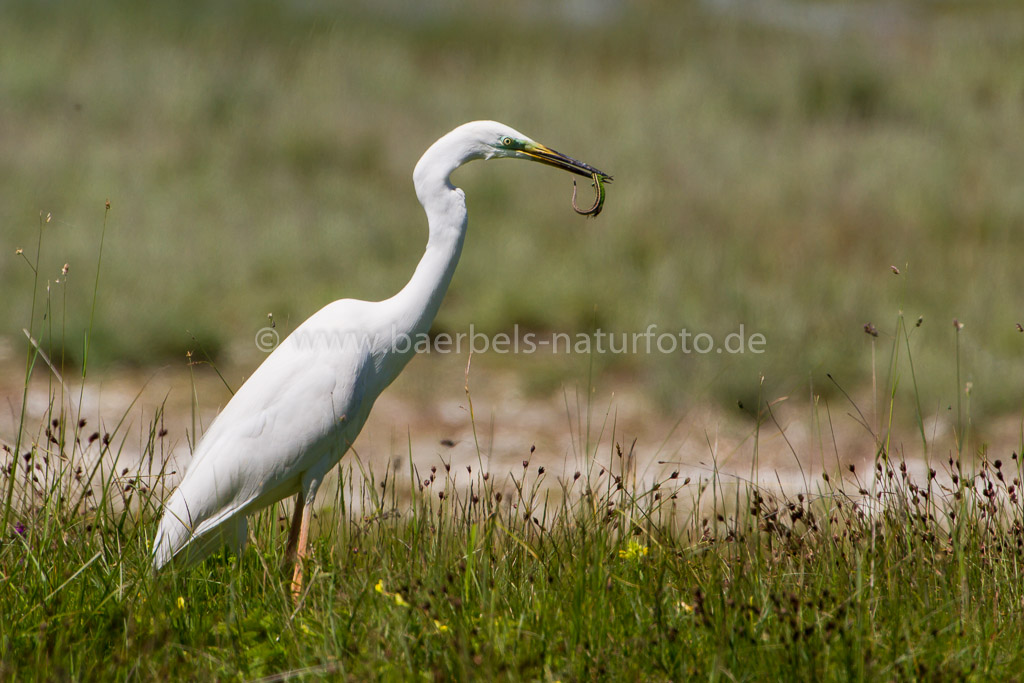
(771, 162)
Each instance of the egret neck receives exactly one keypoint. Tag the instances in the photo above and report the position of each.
(415, 306)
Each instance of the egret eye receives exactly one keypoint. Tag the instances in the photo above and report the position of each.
(506, 141)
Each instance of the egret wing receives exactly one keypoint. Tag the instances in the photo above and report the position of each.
(303, 404)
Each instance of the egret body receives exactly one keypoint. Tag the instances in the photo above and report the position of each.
(302, 409)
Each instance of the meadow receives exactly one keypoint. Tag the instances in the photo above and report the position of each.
(842, 178)
(508, 576)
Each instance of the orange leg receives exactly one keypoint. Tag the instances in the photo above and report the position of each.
(297, 538)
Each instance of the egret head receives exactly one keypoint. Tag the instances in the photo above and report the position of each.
(493, 140)
(507, 142)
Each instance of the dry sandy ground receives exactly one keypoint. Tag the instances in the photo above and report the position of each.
(425, 418)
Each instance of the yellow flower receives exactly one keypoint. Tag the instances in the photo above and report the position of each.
(397, 597)
(685, 607)
(440, 627)
(633, 550)
(181, 602)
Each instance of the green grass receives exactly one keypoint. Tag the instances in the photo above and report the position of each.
(510, 578)
(258, 159)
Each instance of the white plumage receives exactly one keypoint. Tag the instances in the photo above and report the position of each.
(301, 410)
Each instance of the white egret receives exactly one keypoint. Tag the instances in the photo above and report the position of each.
(300, 411)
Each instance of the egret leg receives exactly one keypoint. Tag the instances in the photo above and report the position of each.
(297, 538)
(298, 535)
